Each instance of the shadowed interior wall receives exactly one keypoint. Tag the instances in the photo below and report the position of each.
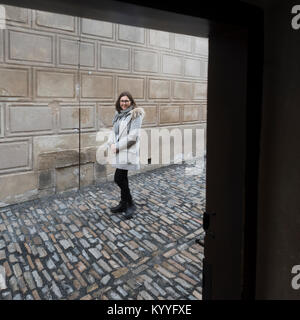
(279, 206)
(51, 65)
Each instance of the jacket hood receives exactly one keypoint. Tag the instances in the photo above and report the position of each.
(137, 112)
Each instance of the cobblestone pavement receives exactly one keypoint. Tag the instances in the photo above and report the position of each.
(70, 246)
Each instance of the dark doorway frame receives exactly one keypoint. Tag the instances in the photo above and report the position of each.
(235, 72)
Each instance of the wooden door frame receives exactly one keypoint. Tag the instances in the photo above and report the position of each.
(242, 26)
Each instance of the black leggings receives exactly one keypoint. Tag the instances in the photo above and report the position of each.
(121, 179)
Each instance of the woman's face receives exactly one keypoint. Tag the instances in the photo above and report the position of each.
(125, 102)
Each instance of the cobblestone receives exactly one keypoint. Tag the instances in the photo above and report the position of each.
(70, 246)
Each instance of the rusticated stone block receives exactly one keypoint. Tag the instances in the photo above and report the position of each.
(191, 113)
(195, 68)
(1, 121)
(14, 82)
(69, 53)
(204, 113)
(23, 118)
(46, 160)
(200, 90)
(183, 90)
(55, 20)
(133, 85)
(66, 178)
(66, 158)
(169, 114)
(31, 47)
(97, 28)
(88, 155)
(159, 38)
(131, 34)
(100, 173)
(97, 86)
(201, 46)
(69, 117)
(183, 43)
(114, 57)
(16, 155)
(159, 89)
(145, 61)
(55, 84)
(46, 179)
(87, 174)
(18, 184)
(1, 46)
(106, 115)
(172, 64)
(150, 115)
(16, 14)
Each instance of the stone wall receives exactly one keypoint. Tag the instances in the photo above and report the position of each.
(52, 66)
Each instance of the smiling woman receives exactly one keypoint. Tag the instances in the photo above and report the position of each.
(124, 142)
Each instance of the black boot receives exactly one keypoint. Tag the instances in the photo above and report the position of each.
(129, 210)
(121, 207)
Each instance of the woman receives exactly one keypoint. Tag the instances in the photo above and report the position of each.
(124, 144)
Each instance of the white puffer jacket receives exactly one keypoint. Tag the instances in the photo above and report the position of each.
(128, 141)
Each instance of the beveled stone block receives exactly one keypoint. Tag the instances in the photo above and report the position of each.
(200, 90)
(42, 144)
(106, 115)
(88, 155)
(159, 38)
(55, 20)
(14, 82)
(150, 115)
(29, 119)
(203, 113)
(16, 14)
(195, 68)
(183, 90)
(159, 89)
(97, 28)
(183, 43)
(52, 84)
(171, 64)
(145, 61)
(66, 158)
(19, 185)
(134, 85)
(69, 117)
(25, 46)
(1, 121)
(46, 160)
(17, 155)
(1, 45)
(69, 52)
(114, 58)
(66, 178)
(45, 179)
(201, 46)
(97, 86)
(169, 114)
(86, 174)
(191, 113)
(131, 34)
(99, 173)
